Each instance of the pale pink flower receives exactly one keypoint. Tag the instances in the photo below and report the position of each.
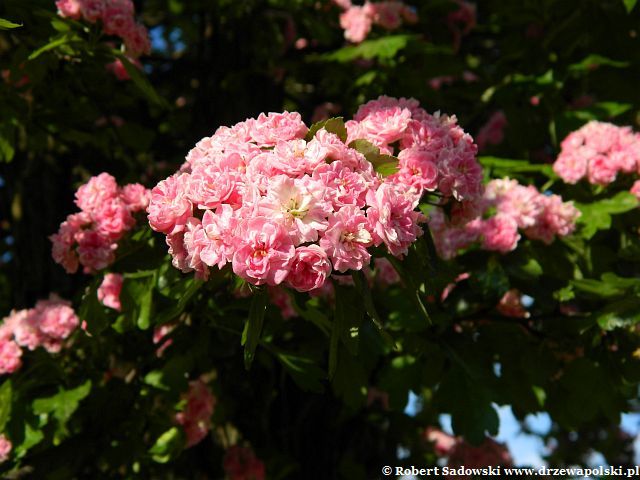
(297, 157)
(195, 240)
(268, 130)
(5, 448)
(571, 167)
(635, 189)
(356, 22)
(343, 185)
(169, 207)
(113, 219)
(417, 169)
(347, 238)
(69, 8)
(10, 361)
(195, 419)
(57, 320)
(557, 218)
(135, 196)
(95, 192)
(209, 187)
(264, 252)
(298, 205)
(95, 251)
(309, 269)
(219, 228)
(109, 290)
(601, 170)
(26, 329)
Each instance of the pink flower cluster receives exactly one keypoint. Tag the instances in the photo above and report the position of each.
(90, 237)
(117, 18)
(357, 21)
(240, 463)
(598, 151)
(461, 21)
(282, 209)
(460, 453)
(434, 152)
(517, 208)
(195, 419)
(46, 325)
(5, 448)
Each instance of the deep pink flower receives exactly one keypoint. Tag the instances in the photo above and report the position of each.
(240, 463)
(69, 8)
(309, 269)
(264, 252)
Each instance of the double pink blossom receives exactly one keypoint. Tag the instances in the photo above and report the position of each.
(357, 21)
(109, 290)
(195, 418)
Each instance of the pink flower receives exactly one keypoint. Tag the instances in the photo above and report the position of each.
(69, 8)
(5, 448)
(635, 189)
(109, 290)
(510, 305)
(309, 269)
(356, 22)
(136, 40)
(492, 132)
(170, 207)
(57, 320)
(195, 419)
(417, 168)
(268, 130)
(500, 233)
(392, 218)
(95, 192)
(347, 238)
(443, 443)
(10, 361)
(92, 10)
(240, 463)
(556, 218)
(135, 196)
(460, 177)
(599, 151)
(279, 297)
(113, 219)
(385, 273)
(95, 251)
(26, 329)
(116, 21)
(264, 252)
(219, 230)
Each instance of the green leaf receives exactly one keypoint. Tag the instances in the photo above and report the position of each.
(6, 149)
(505, 167)
(6, 393)
(168, 445)
(362, 287)
(384, 48)
(141, 81)
(93, 311)
(253, 326)
(350, 382)
(136, 298)
(32, 437)
(623, 313)
(62, 406)
(332, 125)
(59, 41)
(597, 215)
(304, 371)
(180, 295)
(594, 61)
(385, 165)
(629, 4)
(8, 25)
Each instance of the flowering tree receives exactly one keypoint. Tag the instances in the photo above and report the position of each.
(244, 270)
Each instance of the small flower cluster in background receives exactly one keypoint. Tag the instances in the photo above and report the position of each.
(598, 152)
(506, 209)
(357, 20)
(285, 207)
(46, 325)
(195, 419)
(240, 463)
(89, 238)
